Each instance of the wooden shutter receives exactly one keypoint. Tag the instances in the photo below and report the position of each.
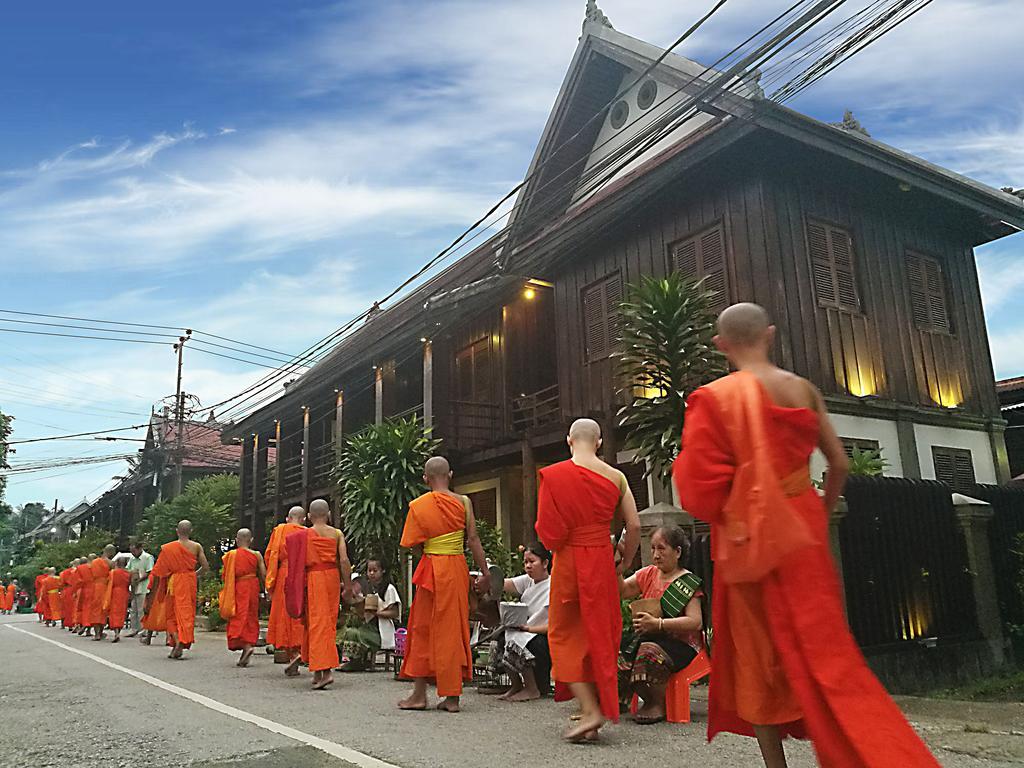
(832, 266)
(861, 444)
(702, 256)
(954, 466)
(634, 473)
(927, 293)
(485, 505)
(601, 319)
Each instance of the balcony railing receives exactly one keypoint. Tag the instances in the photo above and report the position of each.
(538, 409)
(291, 475)
(474, 425)
(416, 410)
(322, 465)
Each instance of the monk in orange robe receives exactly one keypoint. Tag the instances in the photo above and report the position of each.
(40, 594)
(8, 596)
(243, 573)
(100, 568)
(51, 601)
(176, 574)
(784, 661)
(67, 594)
(440, 524)
(578, 501)
(154, 617)
(314, 593)
(73, 586)
(84, 594)
(283, 632)
(117, 597)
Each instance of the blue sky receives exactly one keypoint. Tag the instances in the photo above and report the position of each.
(264, 170)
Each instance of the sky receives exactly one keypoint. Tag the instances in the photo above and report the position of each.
(265, 170)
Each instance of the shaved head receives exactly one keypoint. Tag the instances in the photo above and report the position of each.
(109, 551)
(296, 515)
(437, 467)
(244, 537)
(743, 325)
(184, 528)
(585, 431)
(92, 556)
(319, 510)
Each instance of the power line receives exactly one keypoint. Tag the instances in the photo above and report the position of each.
(68, 437)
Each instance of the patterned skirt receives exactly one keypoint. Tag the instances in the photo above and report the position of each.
(656, 659)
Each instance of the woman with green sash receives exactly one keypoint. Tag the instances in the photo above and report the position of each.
(661, 642)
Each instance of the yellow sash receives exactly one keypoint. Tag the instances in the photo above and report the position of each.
(797, 482)
(446, 544)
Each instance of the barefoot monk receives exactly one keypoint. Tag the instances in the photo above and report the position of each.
(283, 632)
(115, 602)
(175, 575)
(441, 523)
(784, 661)
(319, 573)
(578, 501)
(239, 600)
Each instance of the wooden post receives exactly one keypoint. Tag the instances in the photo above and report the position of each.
(244, 481)
(378, 394)
(259, 479)
(279, 455)
(974, 517)
(529, 491)
(307, 458)
(339, 411)
(428, 385)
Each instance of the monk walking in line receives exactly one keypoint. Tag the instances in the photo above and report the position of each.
(67, 596)
(40, 594)
(283, 632)
(12, 589)
(175, 575)
(319, 575)
(51, 603)
(440, 523)
(154, 617)
(100, 568)
(84, 594)
(785, 663)
(239, 600)
(578, 501)
(117, 597)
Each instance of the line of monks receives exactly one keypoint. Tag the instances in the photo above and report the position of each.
(784, 662)
(8, 594)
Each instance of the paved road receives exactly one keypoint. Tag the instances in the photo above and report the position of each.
(65, 700)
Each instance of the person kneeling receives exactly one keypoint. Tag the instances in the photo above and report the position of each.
(525, 656)
(381, 608)
(666, 638)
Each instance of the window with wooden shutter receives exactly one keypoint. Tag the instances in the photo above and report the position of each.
(832, 266)
(702, 256)
(861, 444)
(927, 293)
(634, 473)
(954, 467)
(601, 319)
(485, 505)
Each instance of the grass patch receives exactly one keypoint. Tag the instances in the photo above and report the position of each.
(1005, 686)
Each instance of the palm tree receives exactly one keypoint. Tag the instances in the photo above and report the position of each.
(666, 353)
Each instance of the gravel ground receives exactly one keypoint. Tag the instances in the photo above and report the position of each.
(59, 708)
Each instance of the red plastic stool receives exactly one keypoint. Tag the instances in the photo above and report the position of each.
(677, 693)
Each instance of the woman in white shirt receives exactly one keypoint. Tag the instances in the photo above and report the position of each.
(526, 657)
(361, 643)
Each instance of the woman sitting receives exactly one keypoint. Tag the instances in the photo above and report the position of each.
(525, 656)
(659, 646)
(382, 607)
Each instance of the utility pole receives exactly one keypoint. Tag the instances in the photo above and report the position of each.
(179, 415)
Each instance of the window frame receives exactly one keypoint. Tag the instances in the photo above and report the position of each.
(929, 326)
(725, 294)
(611, 327)
(958, 484)
(836, 303)
(861, 443)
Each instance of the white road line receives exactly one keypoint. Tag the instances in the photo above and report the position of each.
(336, 750)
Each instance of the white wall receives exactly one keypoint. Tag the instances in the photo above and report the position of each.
(976, 442)
(865, 429)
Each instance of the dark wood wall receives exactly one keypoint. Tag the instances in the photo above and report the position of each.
(762, 194)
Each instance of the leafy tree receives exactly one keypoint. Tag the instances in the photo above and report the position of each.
(667, 353)
(379, 471)
(494, 546)
(210, 503)
(867, 463)
(5, 434)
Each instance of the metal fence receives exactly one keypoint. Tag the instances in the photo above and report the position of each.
(1005, 530)
(905, 564)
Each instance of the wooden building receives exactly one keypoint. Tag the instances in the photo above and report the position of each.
(862, 253)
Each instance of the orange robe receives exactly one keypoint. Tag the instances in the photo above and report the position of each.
(177, 566)
(437, 645)
(117, 597)
(782, 652)
(100, 568)
(67, 598)
(51, 605)
(282, 630)
(239, 598)
(155, 617)
(9, 604)
(40, 593)
(321, 599)
(82, 594)
(574, 514)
